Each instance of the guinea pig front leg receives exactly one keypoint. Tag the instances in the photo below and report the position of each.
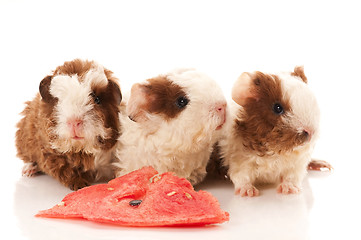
(288, 186)
(30, 169)
(80, 180)
(60, 167)
(197, 175)
(243, 178)
(291, 179)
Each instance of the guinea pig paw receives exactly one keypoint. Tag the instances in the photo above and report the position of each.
(30, 170)
(288, 188)
(319, 165)
(78, 184)
(247, 190)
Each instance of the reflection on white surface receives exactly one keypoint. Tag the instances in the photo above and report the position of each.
(34, 194)
(271, 215)
(319, 212)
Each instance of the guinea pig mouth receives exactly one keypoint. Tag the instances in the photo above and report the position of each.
(220, 126)
(220, 113)
(305, 136)
(77, 138)
(222, 123)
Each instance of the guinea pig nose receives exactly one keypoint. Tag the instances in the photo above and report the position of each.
(307, 134)
(221, 107)
(75, 123)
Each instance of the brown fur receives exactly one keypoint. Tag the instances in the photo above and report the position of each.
(215, 166)
(162, 95)
(299, 72)
(35, 138)
(76, 66)
(108, 110)
(260, 129)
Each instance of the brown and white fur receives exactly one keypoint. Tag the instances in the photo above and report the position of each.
(70, 128)
(172, 122)
(273, 129)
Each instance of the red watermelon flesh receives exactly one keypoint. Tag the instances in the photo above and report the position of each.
(166, 200)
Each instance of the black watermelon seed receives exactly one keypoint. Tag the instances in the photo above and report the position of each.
(135, 202)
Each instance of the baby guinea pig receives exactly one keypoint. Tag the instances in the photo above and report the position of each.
(70, 128)
(273, 129)
(171, 123)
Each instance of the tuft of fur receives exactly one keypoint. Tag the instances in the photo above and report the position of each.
(260, 146)
(64, 132)
(166, 136)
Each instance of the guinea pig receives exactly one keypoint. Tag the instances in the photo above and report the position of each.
(272, 131)
(69, 130)
(171, 122)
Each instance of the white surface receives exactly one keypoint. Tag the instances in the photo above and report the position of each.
(141, 39)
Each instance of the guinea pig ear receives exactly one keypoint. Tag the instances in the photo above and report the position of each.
(115, 90)
(299, 72)
(242, 88)
(44, 89)
(138, 103)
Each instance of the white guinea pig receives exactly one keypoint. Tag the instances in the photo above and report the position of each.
(272, 131)
(70, 128)
(171, 123)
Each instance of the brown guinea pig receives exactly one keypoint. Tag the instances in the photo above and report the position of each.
(273, 129)
(70, 128)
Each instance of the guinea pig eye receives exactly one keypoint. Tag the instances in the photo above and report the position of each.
(96, 98)
(278, 109)
(182, 101)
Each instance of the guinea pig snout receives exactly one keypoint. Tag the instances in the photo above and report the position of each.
(220, 109)
(76, 128)
(131, 118)
(306, 134)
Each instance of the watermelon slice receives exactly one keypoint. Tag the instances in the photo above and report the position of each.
(141, 198)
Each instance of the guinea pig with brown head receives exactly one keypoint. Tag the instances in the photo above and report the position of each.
(273, 130)
(70, 128)
(171, 123)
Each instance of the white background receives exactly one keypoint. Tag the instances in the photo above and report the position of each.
(141, 39)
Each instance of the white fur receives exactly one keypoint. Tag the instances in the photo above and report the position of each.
(183, 144)
(102, 160)
(30, 169)
(96, 76)
(305, 110)
(74, 102)
(247, 168)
